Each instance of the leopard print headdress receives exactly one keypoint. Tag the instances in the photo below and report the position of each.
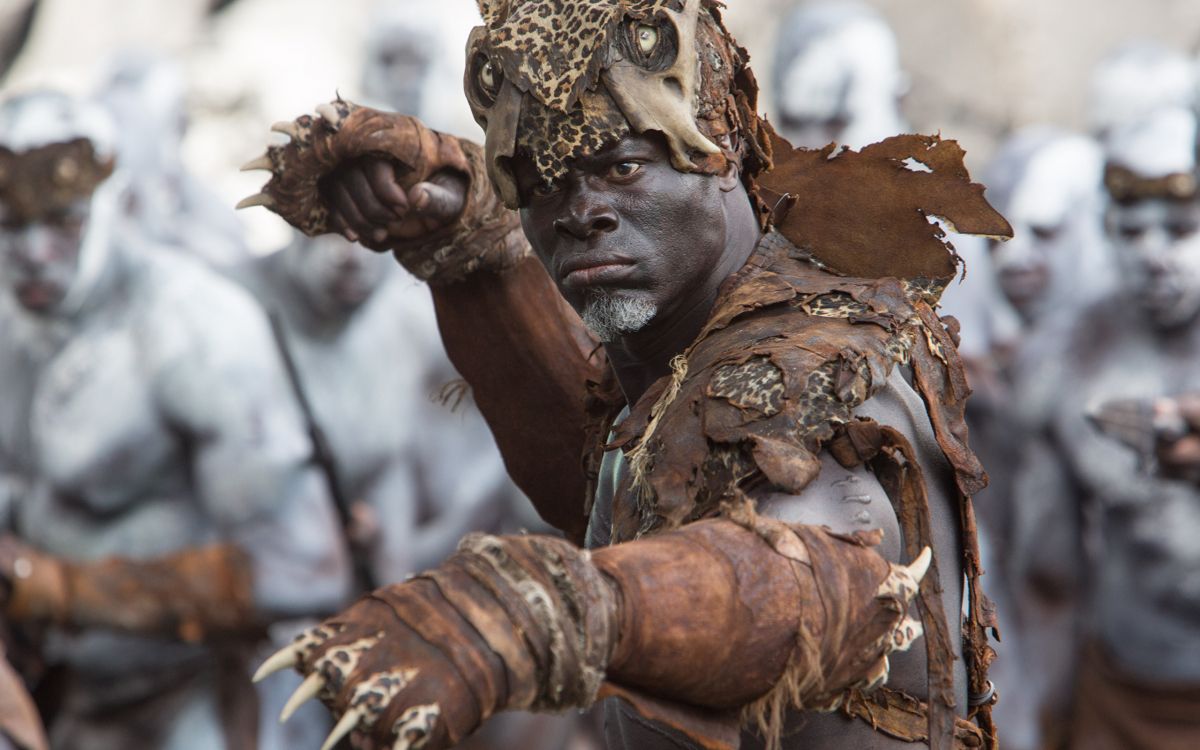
(560, 79)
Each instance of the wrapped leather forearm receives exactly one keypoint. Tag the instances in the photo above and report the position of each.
(191, 595)
(533, 622)
(486, 235)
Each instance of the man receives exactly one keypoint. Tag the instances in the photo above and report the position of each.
(354, 324)
(147, 96)
(629, 140)
(1048, 184)
(165, 503)
(1097, 510)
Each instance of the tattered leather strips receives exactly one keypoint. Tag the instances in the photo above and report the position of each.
(894, 462)
(899, 715)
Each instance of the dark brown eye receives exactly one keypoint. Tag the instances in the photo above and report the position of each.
(487, 77)
(624, 169)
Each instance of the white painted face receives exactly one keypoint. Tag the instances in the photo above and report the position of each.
(837, 77)
(43, 262)
(1157, 239)
(399, 60)
(1049, 193)
(1157, 245)
(39, 261)
(336, 277)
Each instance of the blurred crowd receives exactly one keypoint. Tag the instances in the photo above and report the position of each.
(212, 433)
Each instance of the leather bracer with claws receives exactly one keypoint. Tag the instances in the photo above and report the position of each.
(533, 622)
(486, 236)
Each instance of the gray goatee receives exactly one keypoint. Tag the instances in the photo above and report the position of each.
(610, 315)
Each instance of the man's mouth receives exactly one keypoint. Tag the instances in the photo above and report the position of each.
(578, 273)
(37, 295)
(1024, 284)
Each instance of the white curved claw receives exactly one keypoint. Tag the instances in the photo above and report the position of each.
(308, 689)
(919, 567)
(259, 162)
(329, 113)
(258, 199)
(287, 128)
(284, 658)
(346, 725)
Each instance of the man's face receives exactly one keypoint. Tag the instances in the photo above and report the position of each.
(1157, 243)
(39, 260)
(1024, 265)
(335, 276)
(625, 236)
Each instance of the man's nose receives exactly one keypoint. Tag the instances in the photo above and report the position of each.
(34, 246)
(1154, 252)
(585, 214)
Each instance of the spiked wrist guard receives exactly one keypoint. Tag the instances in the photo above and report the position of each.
(190, 595)
(532, 622)
(486, 235)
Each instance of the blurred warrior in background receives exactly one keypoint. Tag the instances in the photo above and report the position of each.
(1089, 505)
(837, 76)
(162, 491)
(1048, 185)
(147, 96)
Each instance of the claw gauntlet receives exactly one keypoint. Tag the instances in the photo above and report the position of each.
(485, 235)
(717, 615)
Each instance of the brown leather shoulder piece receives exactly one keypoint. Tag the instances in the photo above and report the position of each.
(866, 213)
(789, 352)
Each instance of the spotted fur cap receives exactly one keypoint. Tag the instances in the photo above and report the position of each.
(560, 79)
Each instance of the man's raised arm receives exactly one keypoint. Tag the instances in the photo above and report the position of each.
(392, 184)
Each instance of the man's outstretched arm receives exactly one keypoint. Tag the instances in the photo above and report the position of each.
(694, 623)
(392, 184)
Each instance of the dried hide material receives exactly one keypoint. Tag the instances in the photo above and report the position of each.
(775, 376)
(43, 182)
(202, 593)
(533, 622)
(789, 352)
(488, 237)
(561, 79)
(866, 213)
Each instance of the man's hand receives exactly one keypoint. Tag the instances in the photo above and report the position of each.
(390, 183)
(393, 686)
(367, 201)
(1178, 444)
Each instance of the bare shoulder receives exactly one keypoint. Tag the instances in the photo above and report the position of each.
(845, 500)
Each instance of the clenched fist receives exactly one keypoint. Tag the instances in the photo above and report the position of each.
(387, 181)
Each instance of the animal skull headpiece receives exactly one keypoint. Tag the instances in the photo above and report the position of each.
(559, 79)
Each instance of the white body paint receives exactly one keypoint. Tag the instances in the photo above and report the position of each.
(837, 76)
(146, 414)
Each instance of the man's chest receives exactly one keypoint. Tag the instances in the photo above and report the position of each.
(96, 430)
